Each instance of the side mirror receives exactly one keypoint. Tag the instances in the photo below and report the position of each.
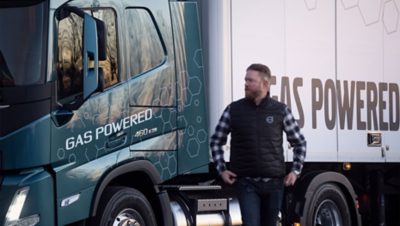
(93, 50)
(90, 54)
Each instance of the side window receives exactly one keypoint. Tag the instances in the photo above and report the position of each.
(145, 47)
(69, 64)
(110, 65)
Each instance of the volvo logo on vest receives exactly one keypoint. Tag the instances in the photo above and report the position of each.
(270, 119)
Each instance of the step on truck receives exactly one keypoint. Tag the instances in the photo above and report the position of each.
(106, 108)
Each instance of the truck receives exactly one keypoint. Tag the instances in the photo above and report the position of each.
(106, 107)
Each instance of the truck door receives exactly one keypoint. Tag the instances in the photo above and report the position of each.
(86, 127)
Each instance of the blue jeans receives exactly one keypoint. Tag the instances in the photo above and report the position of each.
(259, 201)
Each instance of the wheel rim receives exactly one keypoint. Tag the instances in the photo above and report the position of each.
(127, 217)
(328, 214)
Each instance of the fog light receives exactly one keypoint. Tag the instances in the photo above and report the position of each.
(16, 205)
(26, 221)
(14, 211)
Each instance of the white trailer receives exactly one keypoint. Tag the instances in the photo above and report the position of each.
(336, 64)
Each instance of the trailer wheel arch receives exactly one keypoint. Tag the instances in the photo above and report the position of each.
(312, 182)
(142, 167)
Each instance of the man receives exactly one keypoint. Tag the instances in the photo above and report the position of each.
(256, 124)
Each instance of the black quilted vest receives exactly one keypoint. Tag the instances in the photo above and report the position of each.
(256, 138)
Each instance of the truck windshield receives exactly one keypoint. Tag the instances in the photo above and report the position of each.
(22, 42)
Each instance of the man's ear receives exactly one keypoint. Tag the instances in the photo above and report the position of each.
(266, 83)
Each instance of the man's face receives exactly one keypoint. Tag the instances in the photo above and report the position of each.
(254, 84)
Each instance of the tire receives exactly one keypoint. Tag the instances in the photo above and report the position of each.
(124, 206)
(328, 207)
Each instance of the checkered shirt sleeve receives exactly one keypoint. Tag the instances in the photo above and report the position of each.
(296, 140)
(219, 138)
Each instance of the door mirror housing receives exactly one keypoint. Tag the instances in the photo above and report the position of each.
(93, 50)
(90, 54)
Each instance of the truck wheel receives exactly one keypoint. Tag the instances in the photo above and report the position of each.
(123, 206)
(328, 207)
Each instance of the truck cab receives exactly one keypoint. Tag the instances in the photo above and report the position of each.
(97, 98)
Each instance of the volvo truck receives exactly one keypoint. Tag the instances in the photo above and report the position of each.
(106, 108)
(103, 117)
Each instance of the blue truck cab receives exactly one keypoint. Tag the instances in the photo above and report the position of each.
(102, 109)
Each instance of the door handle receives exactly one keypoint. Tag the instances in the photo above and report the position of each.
(116, 140)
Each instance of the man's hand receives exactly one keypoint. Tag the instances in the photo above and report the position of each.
(228, 177)
(290, 179)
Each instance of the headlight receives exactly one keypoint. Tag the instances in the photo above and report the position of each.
(14, 211)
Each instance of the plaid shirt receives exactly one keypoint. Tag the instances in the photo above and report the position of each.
(292, 130)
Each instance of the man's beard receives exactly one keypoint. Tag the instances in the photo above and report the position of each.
(252, 95)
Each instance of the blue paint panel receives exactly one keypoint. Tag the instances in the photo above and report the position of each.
(193, 151)
(28, 146)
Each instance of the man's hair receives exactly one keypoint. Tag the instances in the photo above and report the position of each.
(263, 69)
